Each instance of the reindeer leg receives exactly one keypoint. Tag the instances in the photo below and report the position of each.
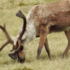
(47, 48)
(67, 33)
(41, 43)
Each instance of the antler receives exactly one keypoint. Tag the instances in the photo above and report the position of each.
(9, 40)
(19, 14)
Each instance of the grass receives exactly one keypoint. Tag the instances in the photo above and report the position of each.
(57, 41)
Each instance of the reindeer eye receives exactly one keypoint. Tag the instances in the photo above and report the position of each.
(21, 48)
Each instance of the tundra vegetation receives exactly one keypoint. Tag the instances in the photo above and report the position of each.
(57, 41)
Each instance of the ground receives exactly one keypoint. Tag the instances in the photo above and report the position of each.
(57, 41)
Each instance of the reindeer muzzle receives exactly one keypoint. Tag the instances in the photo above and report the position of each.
(21, 60)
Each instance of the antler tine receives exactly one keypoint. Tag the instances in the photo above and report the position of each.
(19, 14)
(9, 40)
(4, 45)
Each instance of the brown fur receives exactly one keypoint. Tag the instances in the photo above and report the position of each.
(45, 19)
(49, 18)
(61, 21)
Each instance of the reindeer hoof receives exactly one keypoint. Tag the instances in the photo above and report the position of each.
(38, 58)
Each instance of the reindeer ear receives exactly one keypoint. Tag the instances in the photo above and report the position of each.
(13, 56)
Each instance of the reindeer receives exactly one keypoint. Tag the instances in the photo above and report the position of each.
(41, 21)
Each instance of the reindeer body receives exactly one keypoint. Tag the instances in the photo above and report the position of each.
(44, 19)
(55, 14)
(40, 21)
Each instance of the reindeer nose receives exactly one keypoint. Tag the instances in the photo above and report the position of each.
(21, 60)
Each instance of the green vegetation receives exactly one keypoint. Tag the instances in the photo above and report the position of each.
(57, 41)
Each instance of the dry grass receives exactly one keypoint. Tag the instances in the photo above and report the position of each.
(57, 41)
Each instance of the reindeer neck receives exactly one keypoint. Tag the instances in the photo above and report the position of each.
(30, 33)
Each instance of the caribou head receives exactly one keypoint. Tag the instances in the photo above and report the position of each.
(17, 51)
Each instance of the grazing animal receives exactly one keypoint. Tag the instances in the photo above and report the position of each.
(43, 20)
